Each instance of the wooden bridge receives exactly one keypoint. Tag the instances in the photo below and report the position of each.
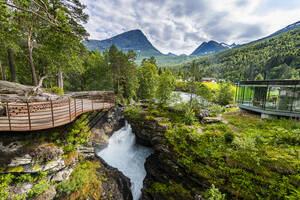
(48, 114)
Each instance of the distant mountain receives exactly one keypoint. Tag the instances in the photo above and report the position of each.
(211, 47)
(183, 54)
(131, 40)
(171, 54)
(287, 28)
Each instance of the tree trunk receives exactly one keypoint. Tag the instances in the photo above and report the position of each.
(60, 81)
(2, 72)
(30, 48)
(12, 67)
(119, 77)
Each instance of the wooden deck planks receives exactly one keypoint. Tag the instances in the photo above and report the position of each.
(43, 115)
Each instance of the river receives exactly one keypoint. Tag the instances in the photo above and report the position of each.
(128, 157)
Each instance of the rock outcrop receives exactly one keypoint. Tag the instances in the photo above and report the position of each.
(161, 166)
(103, 126)
(48, 151)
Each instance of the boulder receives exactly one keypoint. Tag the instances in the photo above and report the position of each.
(62, 175)
(203, 113)
(47, 195)
(20, 189)
(17, 161)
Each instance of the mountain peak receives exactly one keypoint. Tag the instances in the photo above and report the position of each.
(131, 40)
(210, 47)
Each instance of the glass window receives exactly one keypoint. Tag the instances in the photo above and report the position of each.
(259, 97)
(296, 102)
(248, 95)
(285, 98)
(272, 97)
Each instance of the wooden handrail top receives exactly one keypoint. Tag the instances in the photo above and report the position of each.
(48, 114)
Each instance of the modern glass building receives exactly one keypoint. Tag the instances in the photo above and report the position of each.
(272, 97)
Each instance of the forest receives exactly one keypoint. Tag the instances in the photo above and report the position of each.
(274, 58)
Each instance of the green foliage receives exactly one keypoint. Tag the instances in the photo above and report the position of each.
(166, 85)
(172, 190)
(273, 58)
(261, 162)
(83, 183)
(226, 94)
(78, 135)
(229, 137)
(56, 90)
(189, 116)
(40, 184)
(132, 112)
(39, 188)
(213, 193)
(148, 75)
(259, 77)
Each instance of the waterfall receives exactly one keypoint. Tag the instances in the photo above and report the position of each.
(128, 157)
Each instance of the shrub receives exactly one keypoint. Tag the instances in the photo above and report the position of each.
(189, 117)
(226, 94)
(55, 90)
(213, 193)
(83, 183)
(229, 137)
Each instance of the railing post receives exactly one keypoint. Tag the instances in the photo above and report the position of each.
(52, 113)
(81, 105)
(28, 112)
(92, 104)
(70, 110)
(8, 115)
(75, 106)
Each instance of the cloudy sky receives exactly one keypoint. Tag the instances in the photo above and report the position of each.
(179, 26)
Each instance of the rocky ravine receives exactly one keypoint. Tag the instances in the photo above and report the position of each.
(35, 152)
(161, 167)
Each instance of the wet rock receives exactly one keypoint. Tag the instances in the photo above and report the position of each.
(104, 126)
(116, 186)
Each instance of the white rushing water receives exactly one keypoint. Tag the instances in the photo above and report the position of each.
(185, 97)
(128, 157)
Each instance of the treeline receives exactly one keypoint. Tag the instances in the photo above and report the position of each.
(41, 38)
(274, 58)
(44, 39)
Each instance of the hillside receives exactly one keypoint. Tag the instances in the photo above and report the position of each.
(131, 40)
(274, 58)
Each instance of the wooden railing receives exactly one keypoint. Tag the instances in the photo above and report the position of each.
(44, 115)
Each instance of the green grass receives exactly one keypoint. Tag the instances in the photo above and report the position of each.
(248, 158)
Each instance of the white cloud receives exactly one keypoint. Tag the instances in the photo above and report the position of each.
(181, 26)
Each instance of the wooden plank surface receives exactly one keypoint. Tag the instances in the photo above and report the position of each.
(43, 115)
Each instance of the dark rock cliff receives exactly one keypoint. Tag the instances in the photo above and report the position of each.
(161, 166)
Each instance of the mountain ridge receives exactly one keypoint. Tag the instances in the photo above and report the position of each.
(130, 40)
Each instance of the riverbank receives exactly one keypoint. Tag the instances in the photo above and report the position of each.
(245, 157)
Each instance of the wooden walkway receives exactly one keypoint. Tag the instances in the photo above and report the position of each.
(49, 114)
